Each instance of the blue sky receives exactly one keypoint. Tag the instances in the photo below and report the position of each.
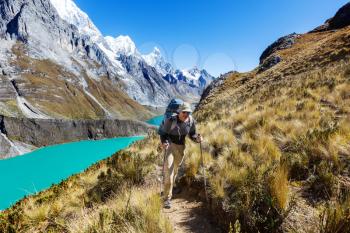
(220, 35)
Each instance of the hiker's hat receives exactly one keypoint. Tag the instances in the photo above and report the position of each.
(185, 107)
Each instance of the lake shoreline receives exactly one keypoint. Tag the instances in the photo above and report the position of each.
(54, 158)
(44, 132)
(36, 171)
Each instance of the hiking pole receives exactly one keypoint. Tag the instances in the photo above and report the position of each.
(203, 171)
(163, 171)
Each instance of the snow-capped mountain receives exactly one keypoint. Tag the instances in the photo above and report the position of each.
(119, 48)
(156, 60)
(55, 60)
(122, 45)
(194, 77)
(69, 12)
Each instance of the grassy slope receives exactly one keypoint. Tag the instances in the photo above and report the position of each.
(276, 152)
(281, 139)
(115, 195)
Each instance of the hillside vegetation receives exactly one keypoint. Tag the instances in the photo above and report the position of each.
(279, 144)
(276, 149)
(118, 194)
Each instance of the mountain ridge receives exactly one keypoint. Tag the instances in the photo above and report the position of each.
(123, 46)
(52, 66)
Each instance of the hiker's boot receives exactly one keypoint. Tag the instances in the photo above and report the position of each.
(177, 190)
(167, 204)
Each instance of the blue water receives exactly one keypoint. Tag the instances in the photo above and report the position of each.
(38, 170)
(156, 120)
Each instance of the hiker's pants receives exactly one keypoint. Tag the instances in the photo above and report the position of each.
(173, 159)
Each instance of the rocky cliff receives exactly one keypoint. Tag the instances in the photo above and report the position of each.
(20, 135)
(339, 20)
(48, 68)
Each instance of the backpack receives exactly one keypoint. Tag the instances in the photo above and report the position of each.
(172, 111)
(173, 108)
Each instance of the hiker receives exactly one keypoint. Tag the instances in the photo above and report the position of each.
(173, 132)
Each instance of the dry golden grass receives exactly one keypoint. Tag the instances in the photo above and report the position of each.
(336, 218)
(111, 196)
(136, 210)
(280, 187)
(9, 108)
(296, 114)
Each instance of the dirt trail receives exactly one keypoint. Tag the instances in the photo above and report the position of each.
(189, 215)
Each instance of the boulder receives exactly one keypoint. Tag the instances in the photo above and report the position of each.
(340, 20)
(215, 84)
(282, 43)
(269, 62)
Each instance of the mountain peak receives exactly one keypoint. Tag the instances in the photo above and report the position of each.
(155, 58)
(72, 14)
(156, 51)
(122, 45)
(195, 69)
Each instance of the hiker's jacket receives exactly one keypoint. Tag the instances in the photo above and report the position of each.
(175, 131)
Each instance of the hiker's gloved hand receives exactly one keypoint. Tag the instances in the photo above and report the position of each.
(199, 138)
(165, 145)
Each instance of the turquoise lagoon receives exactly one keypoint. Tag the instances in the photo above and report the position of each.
(28, 174)
(156, 120)
(33, 172)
